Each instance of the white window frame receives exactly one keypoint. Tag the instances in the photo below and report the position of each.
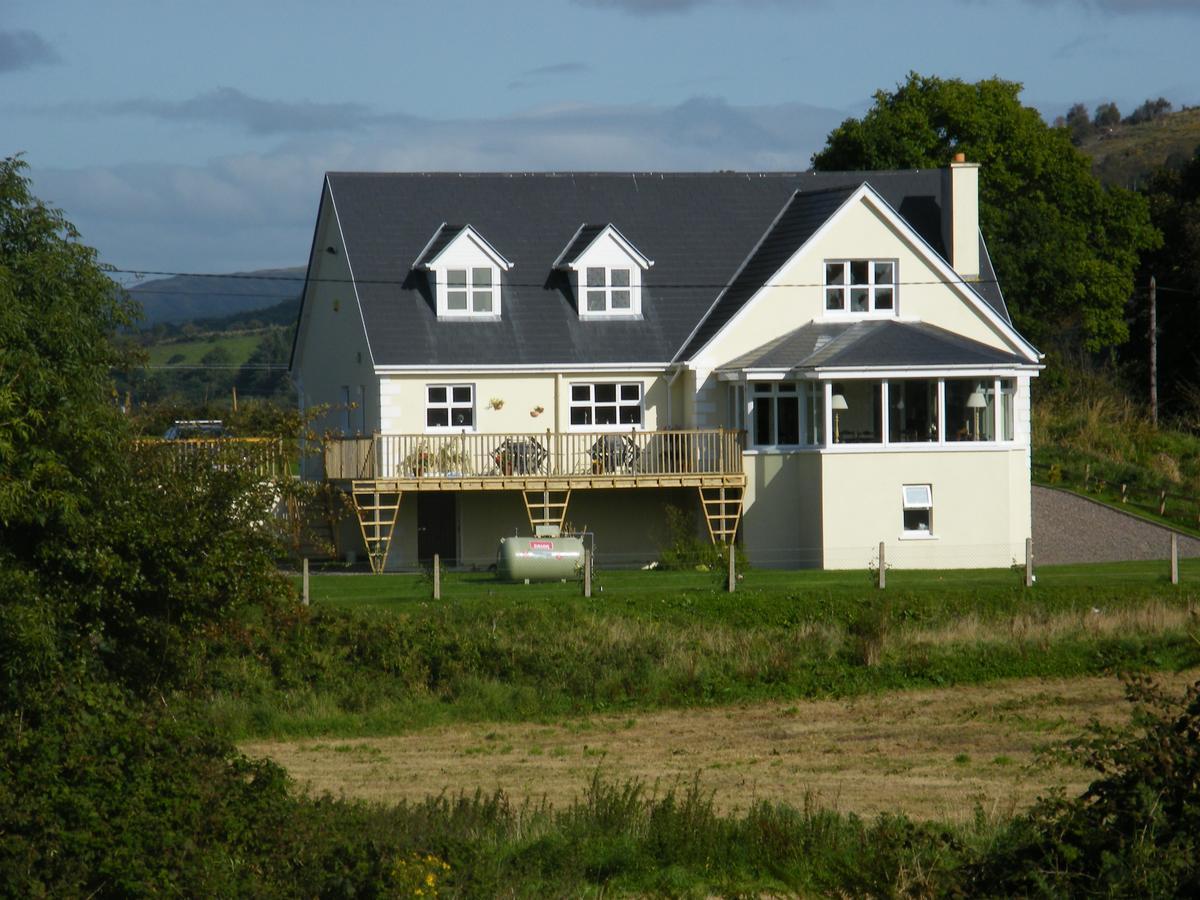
(444, 289)
(871, 286)
(917, 498)
(592, 404)
(606, 291)
(450, 404)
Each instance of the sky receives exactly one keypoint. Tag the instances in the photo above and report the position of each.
(192, 137)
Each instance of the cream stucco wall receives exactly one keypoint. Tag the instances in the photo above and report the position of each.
(981, 507)
(798, 297)
(402, 400)
(781, 525)
(332, 350)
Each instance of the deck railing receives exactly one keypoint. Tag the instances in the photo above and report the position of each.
(264, 457)
(536, 454)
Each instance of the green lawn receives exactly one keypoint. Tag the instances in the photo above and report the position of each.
(766, 596)
(377, 655)
(239, 346)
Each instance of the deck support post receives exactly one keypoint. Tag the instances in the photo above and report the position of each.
(377, 511)
(722, 512)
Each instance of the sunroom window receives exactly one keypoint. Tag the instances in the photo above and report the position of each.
(970, 410)
(913, 410)
(860, 285)
(787, 413)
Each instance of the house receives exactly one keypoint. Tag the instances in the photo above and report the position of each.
(815, 362)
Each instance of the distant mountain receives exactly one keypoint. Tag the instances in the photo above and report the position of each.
(184, 298)
(1124, 154)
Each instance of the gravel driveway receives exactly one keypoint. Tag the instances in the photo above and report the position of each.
(1068, 528)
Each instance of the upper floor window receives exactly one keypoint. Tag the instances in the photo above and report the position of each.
(606, 403)
(465, 271)
(608, 290)
(606, 272)
(449, 406)
(471, 290)
(860, 285)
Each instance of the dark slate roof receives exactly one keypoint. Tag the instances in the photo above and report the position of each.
(441, 240)
(877, 342)
(699, 228)
(587, 234)
(803, 215)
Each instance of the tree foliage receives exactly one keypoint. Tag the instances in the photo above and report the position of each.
(1064, 247)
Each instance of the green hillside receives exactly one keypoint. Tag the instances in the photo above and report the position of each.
(237, 348)
(1124, 154)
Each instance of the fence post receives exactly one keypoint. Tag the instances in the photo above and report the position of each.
(882, 567)
(1174, 558)
(732, 586)
(1028, 562)
(587, 572)
(304, 590)
(437, 577)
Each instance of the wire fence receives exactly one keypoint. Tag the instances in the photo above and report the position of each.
(1126, 489)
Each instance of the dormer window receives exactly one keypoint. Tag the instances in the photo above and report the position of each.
(606, 272)
(464, 270)
(860, 286)
(608, 290)
(471, 290)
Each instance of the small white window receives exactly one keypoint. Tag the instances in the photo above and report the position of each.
(608, 290)
(860, 285)
(606, 404)
(918, 509)
(450, 407)
(471, 292)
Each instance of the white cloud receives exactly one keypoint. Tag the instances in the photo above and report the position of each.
(256, 209)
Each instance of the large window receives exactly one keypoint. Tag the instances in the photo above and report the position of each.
(608, 290)
(857, 412)
(776, 414)
(450, 406)
(918, 510)
(471, 292)
(913, 411)
(787, 413)
(860, 285)
(970, 410)
(606, 404)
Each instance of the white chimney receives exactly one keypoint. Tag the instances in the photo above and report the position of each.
(960, 216)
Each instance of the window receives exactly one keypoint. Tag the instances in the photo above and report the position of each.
(1008, 390)
(449, 406)
(606, 404)
(860, 285)
(918, 509)
(471, 292)
(970, 410)
(608, 290)
(776, 414)
(787, 413)
(912, 411)
(857, 412)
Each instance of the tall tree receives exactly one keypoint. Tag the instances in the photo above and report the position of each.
(1065, 248)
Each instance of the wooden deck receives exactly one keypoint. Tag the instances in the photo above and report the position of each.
(544, 466)
(543, 460)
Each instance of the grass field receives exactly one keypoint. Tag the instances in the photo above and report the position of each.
(239, 346)
(375, 655)
(935, 754)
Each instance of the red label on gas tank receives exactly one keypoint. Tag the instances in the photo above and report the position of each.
(541, 545)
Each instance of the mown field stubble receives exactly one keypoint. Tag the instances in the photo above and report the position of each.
(936, 697)
(931, 754)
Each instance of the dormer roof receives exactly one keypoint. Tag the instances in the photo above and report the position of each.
(587, 235)
(446, 236)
